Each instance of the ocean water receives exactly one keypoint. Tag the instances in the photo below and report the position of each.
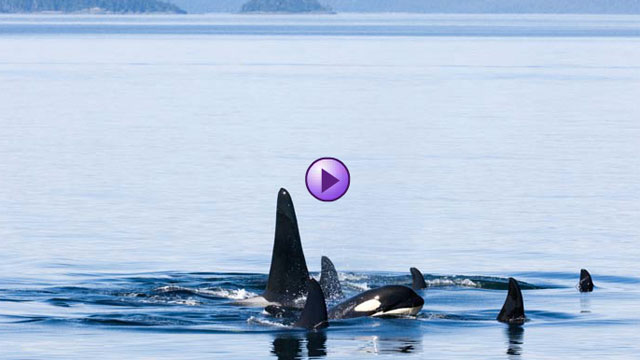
(140, 159)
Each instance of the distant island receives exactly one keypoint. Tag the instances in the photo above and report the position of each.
(440, 6)
(90, 6)
(284, 6)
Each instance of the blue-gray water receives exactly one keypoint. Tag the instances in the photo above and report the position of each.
(140, 159)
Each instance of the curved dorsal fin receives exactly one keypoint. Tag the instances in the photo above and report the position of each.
(314, 314)
(329, 282)
(288, 273)
(513, 308)
(586, 283)
(418, 279)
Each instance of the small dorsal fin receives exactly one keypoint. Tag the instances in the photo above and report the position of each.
(418, 279)
(329, 282)
(288, 274)
(586, 283)
(314, 314)
(513, 308)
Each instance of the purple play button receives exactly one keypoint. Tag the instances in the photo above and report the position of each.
(327, 179)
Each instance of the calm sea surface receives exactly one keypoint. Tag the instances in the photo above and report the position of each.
(140, 159)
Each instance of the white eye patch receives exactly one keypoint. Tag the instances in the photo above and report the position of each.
(368, 305)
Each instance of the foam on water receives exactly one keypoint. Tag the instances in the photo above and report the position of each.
(235, 294)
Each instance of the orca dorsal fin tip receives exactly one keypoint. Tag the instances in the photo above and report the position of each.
(314, 314)
(417, 279)
(285, 205)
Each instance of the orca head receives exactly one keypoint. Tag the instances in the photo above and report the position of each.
(418, 280)
(512, 311)
(329, 281)
(314, 314)
(389, 300)
(586, 283)
(288, 274)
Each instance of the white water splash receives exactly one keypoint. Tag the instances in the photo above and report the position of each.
(164, 300)
(265, 322)
(360, 286)
(188, 302)
(169, 288)
(234, 294)
(451, 282)
(350, 277)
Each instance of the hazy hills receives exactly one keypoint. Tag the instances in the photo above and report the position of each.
(283, 6)
(442, 6)
(93, 6)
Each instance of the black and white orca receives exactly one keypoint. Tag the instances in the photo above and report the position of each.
(389, 300)
(288, 275)
(586, 283)
(329, 281)
(289, 281)
(512, 311)
(417, 279)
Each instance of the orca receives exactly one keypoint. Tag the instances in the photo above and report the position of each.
(586, 283)
(329, 281)
(314, 313)
(512, 311)
(418, 279)
(288, 274)
(385, 301)
(288, 281)
(389, 300)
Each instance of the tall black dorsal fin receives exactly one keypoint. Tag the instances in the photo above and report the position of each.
(513, 308)
(314, 314)
(329, 282)
(418, 279)
(288, 274)
(586, 283)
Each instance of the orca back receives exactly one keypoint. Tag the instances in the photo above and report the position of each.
(381, 299)
(586, 283)
(418, 279)
(329, 281)
(288, 274)
(513, 309)
(314, 314)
